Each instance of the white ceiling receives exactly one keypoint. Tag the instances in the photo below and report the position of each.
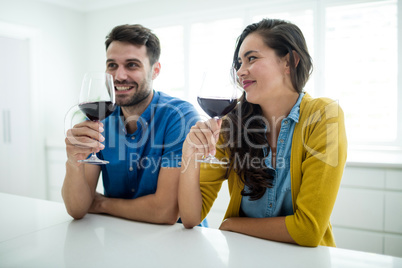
(90, 5)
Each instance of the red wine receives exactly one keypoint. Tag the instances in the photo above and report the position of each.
(216, 107)
(97, 110)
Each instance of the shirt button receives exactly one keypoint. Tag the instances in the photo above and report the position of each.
(281, 140)
(133, 137)
(131, 169)
(270, 205)
(133, 190)
(286, 122)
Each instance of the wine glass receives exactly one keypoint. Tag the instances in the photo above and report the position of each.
(217, 97)
(97, 101)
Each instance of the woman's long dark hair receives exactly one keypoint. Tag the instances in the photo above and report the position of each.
(247, 138)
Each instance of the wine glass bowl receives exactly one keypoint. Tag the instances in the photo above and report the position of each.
(217, 97)
(97, 101)
(216, 107)
(98, 110)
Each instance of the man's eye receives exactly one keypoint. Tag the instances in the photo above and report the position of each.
(111, 65)
(132, 65)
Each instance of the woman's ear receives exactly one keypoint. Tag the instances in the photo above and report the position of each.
(297, 58)
(287, 59)
(156, 69)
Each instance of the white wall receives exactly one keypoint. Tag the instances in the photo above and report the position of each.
(158, 14)
(61, 57)
(72, 42)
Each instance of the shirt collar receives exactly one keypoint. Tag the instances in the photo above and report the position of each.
(295, 112)
(145, 117)
(147, 114)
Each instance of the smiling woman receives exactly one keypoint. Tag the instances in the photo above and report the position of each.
(351, 43)
(300, 143)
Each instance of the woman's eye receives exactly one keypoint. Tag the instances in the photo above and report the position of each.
(251, 58)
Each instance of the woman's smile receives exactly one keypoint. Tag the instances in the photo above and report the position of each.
(247, 83)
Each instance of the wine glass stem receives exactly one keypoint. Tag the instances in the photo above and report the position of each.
(93, 153)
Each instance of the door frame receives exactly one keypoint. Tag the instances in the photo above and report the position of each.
(38, 182)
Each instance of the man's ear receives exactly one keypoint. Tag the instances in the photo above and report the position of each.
(156, 69)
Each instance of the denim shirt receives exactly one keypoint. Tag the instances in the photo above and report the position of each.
(277, 201)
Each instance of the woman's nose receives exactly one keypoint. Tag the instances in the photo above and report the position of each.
(241, 71)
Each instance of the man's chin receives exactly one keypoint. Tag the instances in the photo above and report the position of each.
(136, 99)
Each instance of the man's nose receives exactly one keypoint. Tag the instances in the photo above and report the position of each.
(120, 74)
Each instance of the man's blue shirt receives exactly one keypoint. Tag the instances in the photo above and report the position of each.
(135, 159)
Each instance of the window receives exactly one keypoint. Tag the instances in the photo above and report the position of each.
(304, 19)
(211, 48)
(361, 68)
(172, 76)
(353, 45)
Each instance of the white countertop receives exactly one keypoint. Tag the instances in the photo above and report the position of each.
(38, 233)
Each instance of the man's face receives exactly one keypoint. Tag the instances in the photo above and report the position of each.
(130, 67)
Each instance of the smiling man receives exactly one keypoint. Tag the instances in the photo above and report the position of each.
(142, 139)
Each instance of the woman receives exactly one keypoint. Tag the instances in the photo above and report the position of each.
(286, 150)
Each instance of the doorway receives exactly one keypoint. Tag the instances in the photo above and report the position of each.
(22, 158)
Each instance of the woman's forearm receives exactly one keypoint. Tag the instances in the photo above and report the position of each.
(190, 198)
(266, 228)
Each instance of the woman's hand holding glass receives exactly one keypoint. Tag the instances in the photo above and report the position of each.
(202, 139)
(217, 97)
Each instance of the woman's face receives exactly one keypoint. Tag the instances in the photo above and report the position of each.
(262, 73)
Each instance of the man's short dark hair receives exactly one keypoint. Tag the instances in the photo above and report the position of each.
(136, 34)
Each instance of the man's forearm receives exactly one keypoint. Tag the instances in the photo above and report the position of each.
(76, 192)
(146, 208)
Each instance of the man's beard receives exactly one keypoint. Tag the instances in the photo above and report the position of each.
(142, 93)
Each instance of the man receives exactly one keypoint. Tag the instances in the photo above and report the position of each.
(143, 139)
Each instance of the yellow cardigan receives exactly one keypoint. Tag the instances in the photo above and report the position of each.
(318, 157)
